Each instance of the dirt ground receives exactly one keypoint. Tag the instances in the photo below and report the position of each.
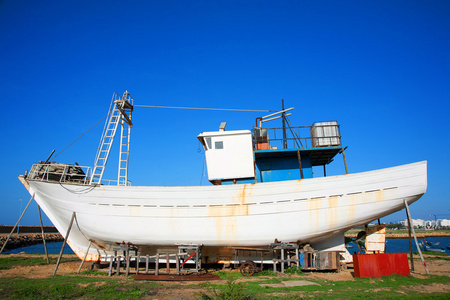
(187, 290)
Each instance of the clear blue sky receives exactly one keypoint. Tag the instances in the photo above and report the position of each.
(381, 68)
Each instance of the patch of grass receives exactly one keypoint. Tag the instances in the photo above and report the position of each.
(265, 273)
(226, 275)
(440, 254)
(434, 255)
(11, 261)
(93, 272)
(230, 291)
(392, 287)
(59, 287)
(293, 270)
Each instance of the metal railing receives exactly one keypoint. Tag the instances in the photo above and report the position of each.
(317, 135)
(65, 173)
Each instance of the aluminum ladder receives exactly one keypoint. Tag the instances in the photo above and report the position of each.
(119, 113)
(124, 150)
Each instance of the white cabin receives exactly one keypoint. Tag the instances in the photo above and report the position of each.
(229, 154)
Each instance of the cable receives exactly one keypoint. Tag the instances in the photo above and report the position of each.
(172, 107)
(85, 191)
(203, 170)
(79, 137)
(204, 108)
(79, 229)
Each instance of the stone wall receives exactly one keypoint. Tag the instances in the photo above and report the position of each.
(27, 236)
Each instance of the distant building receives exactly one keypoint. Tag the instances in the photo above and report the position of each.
(443, 223)
(416, 223)
(430, 224)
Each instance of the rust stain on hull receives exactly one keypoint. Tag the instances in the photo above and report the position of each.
(226, 217)
(332, 207)
(315, 204)
(81, 254)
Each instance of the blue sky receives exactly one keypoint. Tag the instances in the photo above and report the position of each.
(380, 68)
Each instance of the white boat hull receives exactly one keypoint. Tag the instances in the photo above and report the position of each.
(307, 210)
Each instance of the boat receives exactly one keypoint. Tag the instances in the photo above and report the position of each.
(262, 192)
(428, 248)
(432, 244)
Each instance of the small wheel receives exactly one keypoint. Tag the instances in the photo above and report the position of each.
(248, 268)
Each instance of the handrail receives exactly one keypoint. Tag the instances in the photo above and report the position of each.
(318, 135)
(65, 173)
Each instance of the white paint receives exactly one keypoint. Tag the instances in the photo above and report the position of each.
(229, 154)
(310, 210)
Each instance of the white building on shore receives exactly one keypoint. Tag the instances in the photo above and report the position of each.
(443, 223)
(418, 223)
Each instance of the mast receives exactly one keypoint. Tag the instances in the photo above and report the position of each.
(283, 115)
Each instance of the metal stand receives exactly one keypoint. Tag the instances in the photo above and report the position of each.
(15, 226)
(64, 243)
(182, 250)
(127, 257)
(125, 249)
(414, 234)
(282, 261)
(300, 163)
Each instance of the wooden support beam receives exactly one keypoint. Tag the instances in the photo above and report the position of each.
(84, 258)
(64, 243)
(345, 160)
(42, 231)
(17, 223)
(415, 237)
(410, 244)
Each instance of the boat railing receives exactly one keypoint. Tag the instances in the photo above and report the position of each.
(320, 134)
(65, 173)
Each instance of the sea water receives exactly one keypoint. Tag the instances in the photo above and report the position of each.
(52, 248)
(392, 246)
(402, 245)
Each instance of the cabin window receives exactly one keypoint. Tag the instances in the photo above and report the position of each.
(218, 145)
(208, 142)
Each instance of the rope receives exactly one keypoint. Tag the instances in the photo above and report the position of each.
(205, 108)
(80, 136)
(171, 107)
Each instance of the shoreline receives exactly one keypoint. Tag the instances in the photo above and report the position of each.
(28, 239)
(403, 235)
(31, 235)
